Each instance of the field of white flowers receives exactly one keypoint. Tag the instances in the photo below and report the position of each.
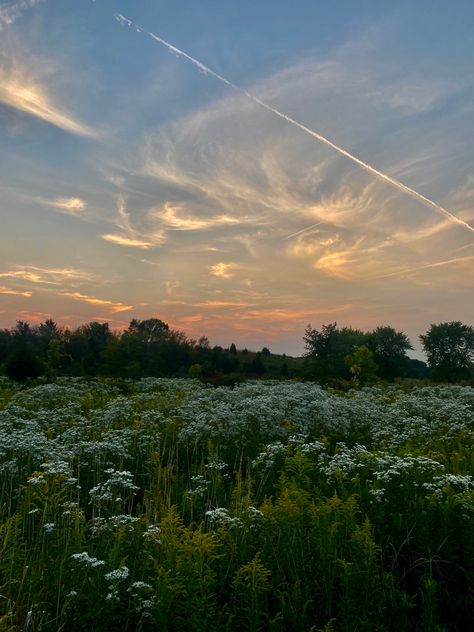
(163, 504)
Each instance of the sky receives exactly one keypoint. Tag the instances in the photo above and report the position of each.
(134, 184)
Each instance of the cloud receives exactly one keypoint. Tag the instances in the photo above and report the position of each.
(12, 292)
(130, 242)
(93, 300)
(222, 270)
(216, 304)
(175, 219)
(46, 276)
(70, 206)
(129, 236)
(277, 314)
(11, 11)
(21, 90)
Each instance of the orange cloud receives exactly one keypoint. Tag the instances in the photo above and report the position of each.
(218, 304)
(93, 300)
(131, 242)
(12, 292)
(47, 276)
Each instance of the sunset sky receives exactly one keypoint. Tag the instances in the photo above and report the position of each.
(132, 185)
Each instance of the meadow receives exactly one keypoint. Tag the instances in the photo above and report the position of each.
(166, 504)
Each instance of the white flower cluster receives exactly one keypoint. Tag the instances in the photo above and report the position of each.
(220, 516)
(87, 433)
(85, 559)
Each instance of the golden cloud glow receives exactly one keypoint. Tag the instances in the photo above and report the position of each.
(175, 219)
(12, 292)
(23, 93)
(222, 270)
(131, 242)
(72, 205)
(47, 276)
(93, 300)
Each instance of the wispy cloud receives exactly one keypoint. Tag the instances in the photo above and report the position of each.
(21, 90)
(11, 11)
(176, 218)
(130, 242)
(222, 304)
(129, 236)
(12, 292)
(46, 276)
(93, 300)
(68, 205)
(383, 176)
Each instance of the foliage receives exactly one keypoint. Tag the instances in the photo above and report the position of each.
(166, 504)
(450, 350)
(389, 349)
(328, 348)
(147, 348)
(362, 367)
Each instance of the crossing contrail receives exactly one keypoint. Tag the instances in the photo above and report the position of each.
(375, 172)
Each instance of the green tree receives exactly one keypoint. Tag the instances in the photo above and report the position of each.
(23, 364)
(149, 330)
(326, 350)
(449, 348)
(389, 349)
(362, 367)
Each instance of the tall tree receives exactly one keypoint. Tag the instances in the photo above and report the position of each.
(449, 348)
(327, 350)
(389, 349)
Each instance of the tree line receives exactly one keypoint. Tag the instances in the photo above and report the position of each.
(337, 356)
(147, 348)
(362, 357)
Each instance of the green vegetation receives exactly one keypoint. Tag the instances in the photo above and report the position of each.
(340, 357)
(163, 504)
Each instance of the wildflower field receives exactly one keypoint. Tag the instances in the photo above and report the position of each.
(163, 504)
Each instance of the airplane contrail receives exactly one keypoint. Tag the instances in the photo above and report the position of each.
(375, 172)
(436, 264)
(304, 230)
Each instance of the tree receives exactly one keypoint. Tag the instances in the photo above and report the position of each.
(389, 349)
(149, 330)
(233, 349)
(85, 346)
(449, 348)
(327, 349)
(23, 364)
(362, 367)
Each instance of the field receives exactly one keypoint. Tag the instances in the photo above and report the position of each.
(163, 504)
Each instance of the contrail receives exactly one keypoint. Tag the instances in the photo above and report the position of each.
(437, 264)
(375, 172)
(304, 230)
